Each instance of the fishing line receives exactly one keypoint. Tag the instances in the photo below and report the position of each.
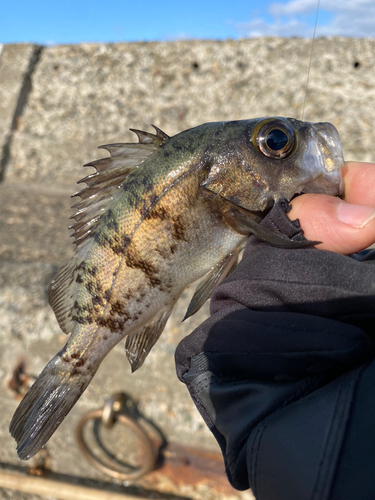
(312, 50)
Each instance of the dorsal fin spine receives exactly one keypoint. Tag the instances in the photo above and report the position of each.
(146, 137)
(111, 173)
(162, 135)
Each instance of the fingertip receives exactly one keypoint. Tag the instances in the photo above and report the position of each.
(342, 228)
(357, 216)
(359, 182)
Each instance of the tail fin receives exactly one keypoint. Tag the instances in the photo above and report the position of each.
(44, 407)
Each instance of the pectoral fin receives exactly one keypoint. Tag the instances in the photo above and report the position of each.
(140, 343)
(210, 282)
(245, 222)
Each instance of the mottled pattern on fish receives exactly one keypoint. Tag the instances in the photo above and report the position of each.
(155, 217)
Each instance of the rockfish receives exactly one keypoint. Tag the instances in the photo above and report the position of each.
(155, 217)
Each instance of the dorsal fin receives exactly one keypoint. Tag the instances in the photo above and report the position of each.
(62, 292)
(162, 135)
(148, 138)
(110, 174)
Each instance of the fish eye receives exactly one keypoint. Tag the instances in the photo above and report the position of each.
(275, 139)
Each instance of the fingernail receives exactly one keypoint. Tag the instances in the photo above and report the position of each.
(355, 215)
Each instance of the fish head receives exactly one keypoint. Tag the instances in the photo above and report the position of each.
(276, 158)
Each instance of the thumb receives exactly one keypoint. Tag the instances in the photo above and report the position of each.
(340, 226)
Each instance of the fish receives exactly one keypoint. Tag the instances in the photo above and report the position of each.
(156, 216)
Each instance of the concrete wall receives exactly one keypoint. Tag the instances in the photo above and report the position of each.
(58, 103)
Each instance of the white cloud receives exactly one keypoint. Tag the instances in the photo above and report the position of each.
(175, 37)
(293, 7)
(354, 18)
(258, 27)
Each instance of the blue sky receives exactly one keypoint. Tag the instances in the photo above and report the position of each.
(74, 21)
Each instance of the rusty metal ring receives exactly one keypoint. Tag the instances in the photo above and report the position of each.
(149, 452)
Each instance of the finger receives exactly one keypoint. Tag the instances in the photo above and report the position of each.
(359, 182)
(340, 226)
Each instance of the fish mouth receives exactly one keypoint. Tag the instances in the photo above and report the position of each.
(324, 159)
(330, 183)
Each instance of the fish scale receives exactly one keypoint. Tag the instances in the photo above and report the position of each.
(155, 217)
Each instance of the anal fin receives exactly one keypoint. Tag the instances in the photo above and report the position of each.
(210, 282)
(140, 343)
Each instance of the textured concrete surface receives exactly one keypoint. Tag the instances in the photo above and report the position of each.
(34, 221)
(16, 64)
(57, 104)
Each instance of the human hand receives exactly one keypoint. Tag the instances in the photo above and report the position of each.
(287, 330)
(342, 226)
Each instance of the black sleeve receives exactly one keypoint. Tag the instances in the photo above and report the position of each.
(283, 373)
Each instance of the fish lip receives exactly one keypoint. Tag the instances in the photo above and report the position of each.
(324, 160)
(329, 183)
(329, 146)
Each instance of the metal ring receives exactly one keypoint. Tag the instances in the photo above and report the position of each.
(149, 452)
